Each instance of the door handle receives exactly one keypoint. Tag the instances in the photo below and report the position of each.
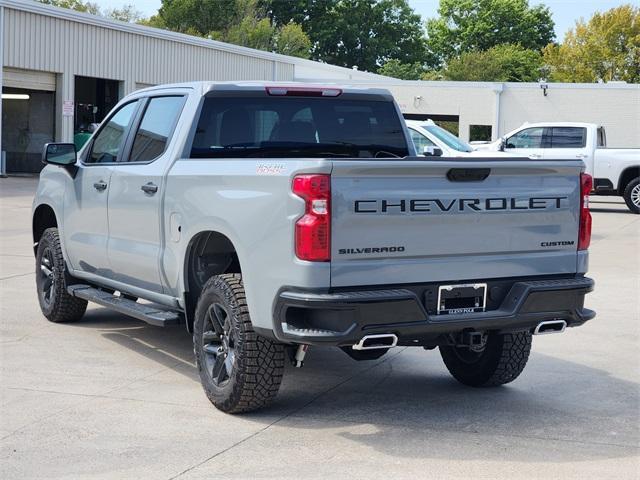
(149, 188)
(100, 186)
(535, 155)
(582, 155)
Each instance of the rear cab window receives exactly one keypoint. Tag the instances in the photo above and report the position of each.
(568, 137)
(257, 125)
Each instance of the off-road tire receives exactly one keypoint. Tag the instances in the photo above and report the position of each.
(55, 302)
(501, 361)
(257, 362)
(631, 192)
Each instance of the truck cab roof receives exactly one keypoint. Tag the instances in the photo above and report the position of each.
(557, 124)
(204, 87)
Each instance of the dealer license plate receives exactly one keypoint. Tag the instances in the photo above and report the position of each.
(465, 298)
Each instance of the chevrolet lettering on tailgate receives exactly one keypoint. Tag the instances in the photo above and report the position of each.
(457, 205)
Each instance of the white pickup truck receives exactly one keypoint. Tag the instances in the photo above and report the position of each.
(615, 171)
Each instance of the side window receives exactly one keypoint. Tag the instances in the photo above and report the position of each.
(108, 143)
(420, 141)
(527, 138)
(568, 137)
(602, 137)
(156, 127)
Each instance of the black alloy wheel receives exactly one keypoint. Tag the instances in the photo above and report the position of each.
(218, 345)
(52, 280)
(46, 279)
(239, 370)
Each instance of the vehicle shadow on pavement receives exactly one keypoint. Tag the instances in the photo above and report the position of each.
(613, 200)
(614, 205)
(402, 403)
(170, 346)
(610, 210)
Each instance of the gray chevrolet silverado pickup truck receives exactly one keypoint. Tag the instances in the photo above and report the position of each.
(269, 218)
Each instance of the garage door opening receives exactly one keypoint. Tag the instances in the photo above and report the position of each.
(94, 98)
(480, 133)
(27, 124)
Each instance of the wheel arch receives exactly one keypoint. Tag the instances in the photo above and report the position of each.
(208, 253)
(627, 175)
(44, 217)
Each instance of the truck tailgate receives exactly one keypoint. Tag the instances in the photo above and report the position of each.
(417, 220)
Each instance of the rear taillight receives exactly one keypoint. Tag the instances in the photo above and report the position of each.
(313, 229)
(584, 232)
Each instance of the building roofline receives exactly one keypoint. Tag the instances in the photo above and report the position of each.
(87, 18)
(208, 84)
(496, 86)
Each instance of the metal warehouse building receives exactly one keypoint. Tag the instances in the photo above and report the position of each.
(497, 108)
(63, 71)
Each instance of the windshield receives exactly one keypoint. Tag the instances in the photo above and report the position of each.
(289, 127)
(448, 138)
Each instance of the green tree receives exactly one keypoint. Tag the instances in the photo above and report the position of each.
(502, 63)
(241, 22)
(127, 13)
(282, 12)
(78, 5)
(477, 25)
(605, 48)
(361, 33)
(291, 40)
(251, 32)
(199, 17)
(404, 71)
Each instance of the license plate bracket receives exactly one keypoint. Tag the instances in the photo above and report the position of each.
(462, 298)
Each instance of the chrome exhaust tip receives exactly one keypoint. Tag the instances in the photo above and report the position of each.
(372, 342)
(550, 326)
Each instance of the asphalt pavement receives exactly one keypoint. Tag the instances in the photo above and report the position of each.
(112, 397)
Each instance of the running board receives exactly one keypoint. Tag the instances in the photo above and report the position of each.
(151, 313)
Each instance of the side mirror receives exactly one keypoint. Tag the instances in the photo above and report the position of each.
(430, 151)
(61, 154)
(503, 144)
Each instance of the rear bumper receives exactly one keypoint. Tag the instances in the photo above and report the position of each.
(342, 318)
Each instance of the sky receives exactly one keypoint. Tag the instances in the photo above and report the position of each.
(565, 12)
